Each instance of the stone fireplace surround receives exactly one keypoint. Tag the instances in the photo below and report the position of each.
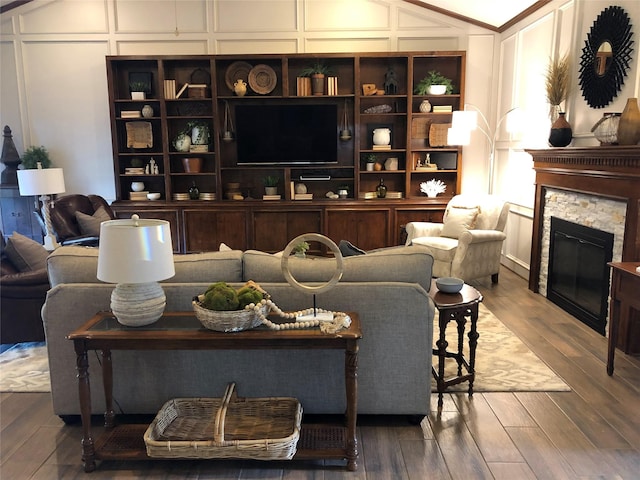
(599, 179)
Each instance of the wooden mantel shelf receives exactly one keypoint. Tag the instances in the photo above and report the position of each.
(611, 171)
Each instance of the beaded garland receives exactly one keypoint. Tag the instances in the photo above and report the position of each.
(340, 319)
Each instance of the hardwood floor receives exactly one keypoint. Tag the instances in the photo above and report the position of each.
(588, 433)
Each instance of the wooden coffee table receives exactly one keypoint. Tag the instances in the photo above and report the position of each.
(183, 331)
(457, 307)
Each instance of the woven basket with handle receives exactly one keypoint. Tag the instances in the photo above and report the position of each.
(227, 427)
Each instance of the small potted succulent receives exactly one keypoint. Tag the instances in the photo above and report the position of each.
(271, 184)
(434, 84)
(138, 90)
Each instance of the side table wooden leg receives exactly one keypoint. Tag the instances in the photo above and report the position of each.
(351, 386)
(84, 392)
(107, 382)
(461, 321)
(443, 320)
(473, 343)
(614, 321)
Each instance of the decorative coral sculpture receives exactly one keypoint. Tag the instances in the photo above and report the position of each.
(433, 187)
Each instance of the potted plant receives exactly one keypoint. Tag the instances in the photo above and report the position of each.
(316, 72)
(199, 132)
(370, 160)
(429, 84)
(138, 90)
(270, 184)
(34, 156)
(300, 249)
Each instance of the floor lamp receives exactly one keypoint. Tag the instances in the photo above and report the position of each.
(43, 182)
(465, 121)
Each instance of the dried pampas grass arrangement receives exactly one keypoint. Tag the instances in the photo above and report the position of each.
(557, 80)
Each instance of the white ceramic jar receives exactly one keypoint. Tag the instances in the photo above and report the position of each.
(381, 136)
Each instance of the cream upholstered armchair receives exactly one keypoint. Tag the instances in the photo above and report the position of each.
(468, 243)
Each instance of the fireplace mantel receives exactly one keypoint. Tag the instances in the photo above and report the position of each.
(612, 172)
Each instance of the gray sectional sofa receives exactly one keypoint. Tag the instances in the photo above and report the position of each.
(388, 288)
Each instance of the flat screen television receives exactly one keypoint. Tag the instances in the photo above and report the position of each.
(287, 134)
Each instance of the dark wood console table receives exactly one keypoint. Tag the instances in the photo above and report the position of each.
(625, 306)
(183, 331)
(456, 307)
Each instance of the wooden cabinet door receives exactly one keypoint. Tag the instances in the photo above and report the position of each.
(170, 215)
(404, 216)
(205, 230)
(273, 230)
(366, 229)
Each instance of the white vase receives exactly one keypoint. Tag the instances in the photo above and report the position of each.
(147, 111)
(381, 136)
(425, 106)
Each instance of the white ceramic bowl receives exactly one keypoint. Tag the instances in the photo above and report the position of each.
(449, 284)
(153, 196)
(137, 186)
(437, 89)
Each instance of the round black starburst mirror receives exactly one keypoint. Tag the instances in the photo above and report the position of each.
(606, 56)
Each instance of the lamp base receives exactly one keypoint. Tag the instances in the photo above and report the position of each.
(138, 304)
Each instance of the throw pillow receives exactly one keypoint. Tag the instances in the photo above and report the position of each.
(90, 224)
(347, 249)
(458, 220)
(26, 254)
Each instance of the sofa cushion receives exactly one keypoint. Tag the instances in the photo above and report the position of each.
(458, 220)
(26, 254)
(442, 248)
(90, 224)
(75, 264)
(395, 264)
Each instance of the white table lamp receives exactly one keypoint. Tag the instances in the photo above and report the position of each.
(43, 182)
(136, 254)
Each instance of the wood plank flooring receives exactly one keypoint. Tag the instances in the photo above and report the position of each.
(592, 432)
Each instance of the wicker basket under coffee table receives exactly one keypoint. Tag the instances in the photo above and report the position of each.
(183, 331)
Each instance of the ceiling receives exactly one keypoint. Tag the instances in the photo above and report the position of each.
(494, 14)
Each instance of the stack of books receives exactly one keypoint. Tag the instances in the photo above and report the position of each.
(271, 197)
(138, 195)
(134, 171)
(382, 147)
(130, 114)
(170, 89)
(332, 85)
(442, 109)
(199, 148)
(303, 196)
(303, 85)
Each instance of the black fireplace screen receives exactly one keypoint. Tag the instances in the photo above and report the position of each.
(578, 278)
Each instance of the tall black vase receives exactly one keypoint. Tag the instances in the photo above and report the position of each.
(561, 133)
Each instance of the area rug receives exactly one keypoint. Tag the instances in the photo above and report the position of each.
(25, 368)
(503, 362)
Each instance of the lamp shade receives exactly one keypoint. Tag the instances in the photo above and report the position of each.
(135, 251)
(41, 181)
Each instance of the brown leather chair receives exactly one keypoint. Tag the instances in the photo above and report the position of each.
(22, 295)
(65, 222)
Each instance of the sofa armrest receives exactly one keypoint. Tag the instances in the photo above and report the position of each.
(422, 229)
(26, 279)
(481, 236)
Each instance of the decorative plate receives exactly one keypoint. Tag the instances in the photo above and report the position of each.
(262, 79)
(237, 71)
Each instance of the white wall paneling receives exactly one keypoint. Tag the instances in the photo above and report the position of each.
(243, 16)
(70, 16)
(353, 15)
(67, 107)
(136, 16)
(162, 47)
(9, 100)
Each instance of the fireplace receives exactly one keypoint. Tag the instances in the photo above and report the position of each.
(578, 277)
(571, 181)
